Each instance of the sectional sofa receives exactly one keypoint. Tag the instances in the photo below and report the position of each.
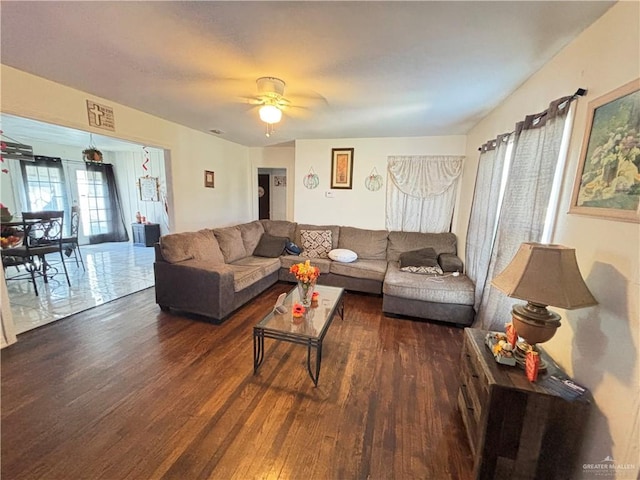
(213, 272)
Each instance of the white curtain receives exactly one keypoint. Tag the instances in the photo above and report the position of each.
(526, 199)
(421, 192)
(484, 212)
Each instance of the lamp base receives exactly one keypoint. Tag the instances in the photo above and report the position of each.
(534, 322)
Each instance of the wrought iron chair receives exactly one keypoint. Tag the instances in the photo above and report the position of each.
(70, 243)
(42, 236)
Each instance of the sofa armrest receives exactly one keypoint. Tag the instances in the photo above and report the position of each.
(158, 252)
(206, 291)
(450, 262)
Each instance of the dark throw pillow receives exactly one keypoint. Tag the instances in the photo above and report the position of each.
(270, 246)
(424, 260)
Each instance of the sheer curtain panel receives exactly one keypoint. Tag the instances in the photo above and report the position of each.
(421, 192)
(526, 199)
(484, 212)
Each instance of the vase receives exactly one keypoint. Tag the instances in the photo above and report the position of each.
(305, 292)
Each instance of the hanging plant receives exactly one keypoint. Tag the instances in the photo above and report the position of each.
(92, 154)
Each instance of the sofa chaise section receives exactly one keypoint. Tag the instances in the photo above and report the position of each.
(446, 298)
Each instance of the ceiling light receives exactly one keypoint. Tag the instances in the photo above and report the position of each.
(270, 114)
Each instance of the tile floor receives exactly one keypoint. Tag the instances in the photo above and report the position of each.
(113, 270)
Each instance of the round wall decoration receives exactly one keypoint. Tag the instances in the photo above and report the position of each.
(311, 179)
(260, 192)
(374, 181)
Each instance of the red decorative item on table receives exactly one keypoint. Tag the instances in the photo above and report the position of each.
(512, 335)
(531, 365)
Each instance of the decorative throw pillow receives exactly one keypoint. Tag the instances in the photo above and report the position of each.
(423, 270)
(316, 243)
(424, 261)
(343, 255)
(292, 249)
(270, 246)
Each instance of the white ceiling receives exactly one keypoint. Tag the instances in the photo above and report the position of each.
(355, 69)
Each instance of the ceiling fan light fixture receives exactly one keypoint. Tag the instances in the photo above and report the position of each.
(270, 114)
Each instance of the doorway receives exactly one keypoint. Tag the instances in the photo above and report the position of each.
(272, 193)
(264, 196)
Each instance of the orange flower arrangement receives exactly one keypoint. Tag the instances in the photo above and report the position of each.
(305, 272)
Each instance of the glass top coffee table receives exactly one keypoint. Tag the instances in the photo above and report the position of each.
(308, 330)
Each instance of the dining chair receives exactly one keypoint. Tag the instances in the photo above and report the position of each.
(42, 236)
(70, 243)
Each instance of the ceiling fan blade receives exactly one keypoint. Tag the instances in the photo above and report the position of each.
(251, 100)
(297, 111)
(308, 97)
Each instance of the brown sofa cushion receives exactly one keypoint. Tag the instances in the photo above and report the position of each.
(231, 244)
(423, 257)
(280, 228)
(368, 244)
(200, 245)
(400, 242)
(366, 269)
(270, 246)
(251, 233)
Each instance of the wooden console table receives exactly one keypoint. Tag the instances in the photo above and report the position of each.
(517, 429)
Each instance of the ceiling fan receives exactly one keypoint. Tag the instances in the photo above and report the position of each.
(271, 100)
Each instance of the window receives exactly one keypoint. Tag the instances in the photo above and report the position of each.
(44, 184)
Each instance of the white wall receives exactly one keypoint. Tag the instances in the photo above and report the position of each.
(357, 207)
(128, 167)
(598, 345)
(192, 206)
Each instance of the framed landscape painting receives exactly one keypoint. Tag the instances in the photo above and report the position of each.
(341, 167)
(607, 183)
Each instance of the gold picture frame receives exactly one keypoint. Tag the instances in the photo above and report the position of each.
(607, 183)
(209, 179)
(342, 168)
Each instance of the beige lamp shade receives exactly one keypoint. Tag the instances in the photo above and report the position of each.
(545, 274)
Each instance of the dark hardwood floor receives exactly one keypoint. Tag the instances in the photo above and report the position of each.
(127, 391)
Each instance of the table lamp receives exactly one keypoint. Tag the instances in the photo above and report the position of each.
(542, 274)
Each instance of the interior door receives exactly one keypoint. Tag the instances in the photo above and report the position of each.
(264, 198)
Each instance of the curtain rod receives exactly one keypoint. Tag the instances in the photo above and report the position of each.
(580, 92)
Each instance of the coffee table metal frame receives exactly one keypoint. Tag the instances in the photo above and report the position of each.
(260, 333)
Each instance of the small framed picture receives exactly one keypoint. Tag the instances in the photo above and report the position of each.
(209, 179)
(342, 168)
(149, 189)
